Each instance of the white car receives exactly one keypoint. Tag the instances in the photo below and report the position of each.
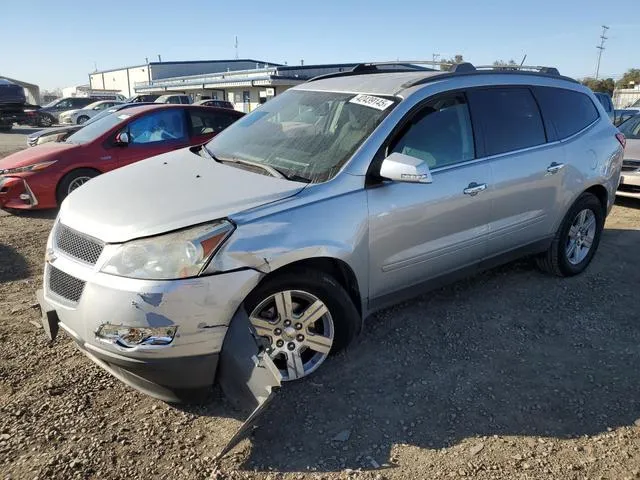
(83, 114)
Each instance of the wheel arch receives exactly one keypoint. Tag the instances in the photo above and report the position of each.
(602, 194)
(69, 172)
(335, 267)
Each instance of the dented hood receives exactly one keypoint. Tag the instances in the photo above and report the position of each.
(171, 191)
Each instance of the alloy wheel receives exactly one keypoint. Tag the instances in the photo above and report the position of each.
(77, 182)
(299, 328)
(581, 236)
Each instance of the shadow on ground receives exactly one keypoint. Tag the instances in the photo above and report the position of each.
(509, 352)
(49, 214)
(13, 266)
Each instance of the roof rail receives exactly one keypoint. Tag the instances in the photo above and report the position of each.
(525, 68)
(373, 67)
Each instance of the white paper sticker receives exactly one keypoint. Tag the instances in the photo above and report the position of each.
(371, 101)
(124, 116)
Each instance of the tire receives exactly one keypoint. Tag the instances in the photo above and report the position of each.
(73, 180)
(45, 121)
(82, 119)
(316, 340)
(566, 256)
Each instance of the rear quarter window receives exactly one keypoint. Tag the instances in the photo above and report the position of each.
(566, 111)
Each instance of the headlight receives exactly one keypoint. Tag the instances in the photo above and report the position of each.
(179, 254)
(29, 168)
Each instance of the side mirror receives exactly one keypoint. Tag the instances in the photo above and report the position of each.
(405, 168)
(122, 139)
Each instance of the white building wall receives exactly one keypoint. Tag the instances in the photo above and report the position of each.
(95, 82)
(118, 80)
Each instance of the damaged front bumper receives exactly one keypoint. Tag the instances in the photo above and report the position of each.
(174, 333)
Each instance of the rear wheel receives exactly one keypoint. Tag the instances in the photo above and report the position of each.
(577, 238)
(82, 119)
(304, 316)
(73, 180)
(45, 121)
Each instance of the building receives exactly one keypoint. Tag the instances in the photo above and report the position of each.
(124, 79)
(624, 97)
(246, 89)
(31, 91)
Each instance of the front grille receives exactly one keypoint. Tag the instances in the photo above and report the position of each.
(65, 285)
(77, 245)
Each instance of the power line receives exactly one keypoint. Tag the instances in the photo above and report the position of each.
(601, 48)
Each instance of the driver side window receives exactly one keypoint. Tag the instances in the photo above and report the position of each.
(162, 126)
(440, 134)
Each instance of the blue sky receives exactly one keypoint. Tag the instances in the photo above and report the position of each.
(54, 43)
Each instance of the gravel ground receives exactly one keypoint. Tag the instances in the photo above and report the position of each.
(510, 374)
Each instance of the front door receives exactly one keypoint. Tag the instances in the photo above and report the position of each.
(421, 231)
(153, 133)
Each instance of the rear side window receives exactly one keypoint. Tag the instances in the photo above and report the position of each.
(208, 123)
(566, 111)
(506, 119)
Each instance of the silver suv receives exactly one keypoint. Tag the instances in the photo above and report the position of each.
(339, 197)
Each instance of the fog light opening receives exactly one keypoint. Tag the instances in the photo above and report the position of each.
(130, 337)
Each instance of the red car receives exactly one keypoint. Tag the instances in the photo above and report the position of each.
(42, 176)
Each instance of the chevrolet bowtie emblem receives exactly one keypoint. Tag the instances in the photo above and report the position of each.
(50, 256)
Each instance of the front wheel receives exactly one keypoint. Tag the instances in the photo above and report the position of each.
(304, 316)
(73, 180)
(82, 119)
(577, 238)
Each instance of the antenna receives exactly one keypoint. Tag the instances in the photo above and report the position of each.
(236, 47)
(601, 48)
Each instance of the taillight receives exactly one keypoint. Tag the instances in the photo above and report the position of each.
(621, 139)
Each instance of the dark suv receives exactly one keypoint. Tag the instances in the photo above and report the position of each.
(12, 101)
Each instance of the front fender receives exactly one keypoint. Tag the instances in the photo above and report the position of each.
(335, 227)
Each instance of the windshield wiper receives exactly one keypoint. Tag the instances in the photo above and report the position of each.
(274, 172)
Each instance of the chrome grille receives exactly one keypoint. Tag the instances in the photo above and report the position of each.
(77, 245)
(65, 285)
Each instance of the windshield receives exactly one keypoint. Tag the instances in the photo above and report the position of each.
(52, 103)
(636, 103)
(93, 105)
(303, 133)
(96, 128)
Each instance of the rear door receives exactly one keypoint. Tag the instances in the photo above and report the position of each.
(421, 231)
(527, 172)
(206, 123)
(153, 133)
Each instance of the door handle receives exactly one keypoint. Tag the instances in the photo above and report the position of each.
(554, 168)
(474, 188)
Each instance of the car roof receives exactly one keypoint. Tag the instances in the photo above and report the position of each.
(138, 110)
(369, 79)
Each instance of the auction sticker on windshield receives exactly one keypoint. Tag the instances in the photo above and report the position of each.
(371, 101)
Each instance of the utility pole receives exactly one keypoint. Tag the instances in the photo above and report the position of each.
(601, 48)
(434, 57)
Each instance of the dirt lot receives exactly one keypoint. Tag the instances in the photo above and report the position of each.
(511, 374)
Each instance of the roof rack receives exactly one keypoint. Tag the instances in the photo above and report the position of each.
(373, 67)
(454, 68)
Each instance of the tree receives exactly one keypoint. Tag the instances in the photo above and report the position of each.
(631, 75)
(605, 85)
(446, 64)
(502, 65)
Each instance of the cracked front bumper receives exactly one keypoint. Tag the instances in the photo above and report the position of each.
(80, 299)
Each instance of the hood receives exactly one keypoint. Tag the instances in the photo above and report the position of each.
(37, 154)
(632, 149)
(164, 193)
(54, 130)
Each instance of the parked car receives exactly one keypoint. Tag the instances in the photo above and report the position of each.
(48, 114)
(81, 115)
(607, 104)
(59, 134)
(630, 179)
(174, 98)
(623, 115)
(215, 103)
(146, 98)
(42, 176)
(12, 104)
(337, 198)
